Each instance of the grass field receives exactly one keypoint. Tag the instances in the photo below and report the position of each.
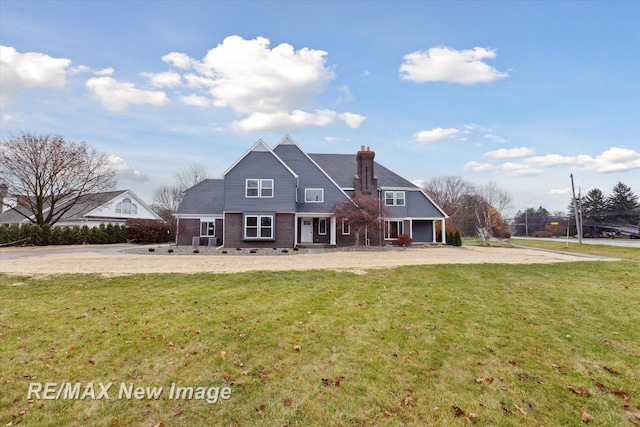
(573, 246)
(429, 345)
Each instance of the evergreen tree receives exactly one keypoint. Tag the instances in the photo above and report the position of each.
(623, 205)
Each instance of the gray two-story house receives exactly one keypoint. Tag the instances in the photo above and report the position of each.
(282, 197)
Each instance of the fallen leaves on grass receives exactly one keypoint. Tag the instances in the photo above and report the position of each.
(586, 417)
(260, 411)
(485, 381)
(613, 370)
(621, 393)
(578, 391)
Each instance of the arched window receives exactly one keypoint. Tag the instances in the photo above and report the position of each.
(126, 207)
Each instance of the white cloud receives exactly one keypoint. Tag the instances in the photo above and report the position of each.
(196, 100)
(270, 87)
(442, 64)
(179, 60)
(116, 96)
(435, 135)
(510, 153)
(495, 138)
(284, 120)
(346, 94)
(479, 167)
(551, 160)
(614, 159)
(126, 172)
(351, 119)
(520, 169)
(29, 71)
(561, 191)
(166, 79)
(252, 78)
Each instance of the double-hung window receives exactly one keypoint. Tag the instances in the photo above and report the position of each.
(207, 228)
(394, 198)
(259, 188)
(258, 227)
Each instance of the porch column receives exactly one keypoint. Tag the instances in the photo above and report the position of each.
(333, 231)
(433, 231)
(444, 233)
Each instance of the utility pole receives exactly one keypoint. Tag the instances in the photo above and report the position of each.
(526, 223)
(575, 211)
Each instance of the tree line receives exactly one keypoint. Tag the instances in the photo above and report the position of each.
(621, 206)
(473, 209)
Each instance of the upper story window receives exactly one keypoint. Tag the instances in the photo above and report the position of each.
(259, 188)
(126, 207)
(314, 195)
(394, 198)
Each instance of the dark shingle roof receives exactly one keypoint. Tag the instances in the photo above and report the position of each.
(83, 206)
(342, 168)
(205, 198)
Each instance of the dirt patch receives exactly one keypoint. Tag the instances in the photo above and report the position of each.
(117, 263)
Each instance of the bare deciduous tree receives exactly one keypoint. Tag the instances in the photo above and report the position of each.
(193, 174)
(493, 200)
(166, 200)
(361, 212)
(448, 192)
(47, 174)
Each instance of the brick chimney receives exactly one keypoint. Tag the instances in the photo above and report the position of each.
(366, 183)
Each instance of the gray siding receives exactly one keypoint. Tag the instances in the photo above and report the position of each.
(259, 165)
(423, 231)
(418, 206)
(310, 177)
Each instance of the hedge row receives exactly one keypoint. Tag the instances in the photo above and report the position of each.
(42, 235)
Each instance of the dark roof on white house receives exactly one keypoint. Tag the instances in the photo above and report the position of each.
(85, 204)
(207, 197)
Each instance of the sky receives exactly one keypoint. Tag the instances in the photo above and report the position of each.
(520, 93)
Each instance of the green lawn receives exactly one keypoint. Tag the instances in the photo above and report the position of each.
(505, 344)
(627, 253)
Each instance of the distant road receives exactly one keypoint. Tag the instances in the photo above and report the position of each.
(627, 243)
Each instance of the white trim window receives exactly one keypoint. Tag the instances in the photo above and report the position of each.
(258, 227)
(322, 227)
(314, 195)
(394, 198)
(207, 228)
(258, 187)
(393, 228)
(126, 207)
(346, 227)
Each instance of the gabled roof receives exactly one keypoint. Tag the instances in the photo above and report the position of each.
(288, 141)
(342, 168)
(205, 198)
(84, 207)
(259, 146)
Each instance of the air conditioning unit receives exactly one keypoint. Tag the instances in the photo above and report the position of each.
(195, 241)
(212, 241)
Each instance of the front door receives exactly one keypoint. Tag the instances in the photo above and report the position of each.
(306, 231)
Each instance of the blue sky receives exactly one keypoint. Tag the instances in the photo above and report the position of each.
(521, 93)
